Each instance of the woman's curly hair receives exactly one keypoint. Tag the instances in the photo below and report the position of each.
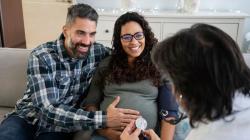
(118, 70)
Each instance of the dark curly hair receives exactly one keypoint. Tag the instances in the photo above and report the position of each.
(207, 68)
(118, 70)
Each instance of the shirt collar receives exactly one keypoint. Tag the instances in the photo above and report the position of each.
(240, 102)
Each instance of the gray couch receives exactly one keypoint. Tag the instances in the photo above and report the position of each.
(13, 65)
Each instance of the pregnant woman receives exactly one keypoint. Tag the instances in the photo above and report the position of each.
(130, 74)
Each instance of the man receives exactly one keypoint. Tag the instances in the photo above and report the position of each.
(59, 74)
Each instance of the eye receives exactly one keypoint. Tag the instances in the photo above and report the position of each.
(139, 35)
(80, 33)
(127, 37)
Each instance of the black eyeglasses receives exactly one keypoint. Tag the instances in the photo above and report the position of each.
(129, 37)
(174, 121)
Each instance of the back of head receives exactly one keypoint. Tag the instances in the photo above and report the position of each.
(81, 11)
(206, 67)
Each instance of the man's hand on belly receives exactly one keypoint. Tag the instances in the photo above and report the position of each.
(120, 117)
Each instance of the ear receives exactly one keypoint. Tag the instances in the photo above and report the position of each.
(65, 29)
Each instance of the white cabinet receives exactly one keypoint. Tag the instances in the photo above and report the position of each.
(44, 20)
(105, 32)
(165, 24)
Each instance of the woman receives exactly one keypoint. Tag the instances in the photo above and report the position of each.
(211, 80)
(130, 74)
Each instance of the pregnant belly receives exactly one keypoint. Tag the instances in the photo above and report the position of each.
(147, 108)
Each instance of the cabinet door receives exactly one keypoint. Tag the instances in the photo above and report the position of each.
(11, 24)
(231, 29)
(156, 28)
(171, 28)
(105, 32)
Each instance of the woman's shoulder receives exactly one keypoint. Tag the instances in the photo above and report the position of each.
(105, 62)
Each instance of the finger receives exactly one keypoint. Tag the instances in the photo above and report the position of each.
(137, 132)
(119, 128)
(147, 132)
(129, 117)
(116, 101)
(129, 111)
(124, 124)
(150, 133)
(129, 127)
(127, 121)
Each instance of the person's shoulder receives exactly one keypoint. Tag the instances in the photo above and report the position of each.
(101, 48)
(45, 49)
(105, 62)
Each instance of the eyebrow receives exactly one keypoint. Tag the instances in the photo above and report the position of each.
(84, 32)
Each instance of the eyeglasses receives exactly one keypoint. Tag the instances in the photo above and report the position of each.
(129, 37)
(179, 118)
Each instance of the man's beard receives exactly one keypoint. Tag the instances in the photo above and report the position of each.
(74, 46)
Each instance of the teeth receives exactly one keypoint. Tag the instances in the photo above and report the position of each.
(135, 48)
(81, 46)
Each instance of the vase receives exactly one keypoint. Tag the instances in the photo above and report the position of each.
(191, 6)
(128, 4)
(188, 6)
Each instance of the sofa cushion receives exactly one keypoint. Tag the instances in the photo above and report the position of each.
(4, 111)
(13, 65)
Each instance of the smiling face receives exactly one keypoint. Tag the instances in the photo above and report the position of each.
(135, 47)
(79, 37)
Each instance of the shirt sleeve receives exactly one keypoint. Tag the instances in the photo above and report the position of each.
(167, 101)
(46, 99)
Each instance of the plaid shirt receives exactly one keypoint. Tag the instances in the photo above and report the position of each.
(55, 84)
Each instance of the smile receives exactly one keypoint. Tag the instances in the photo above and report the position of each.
(83, 49)
(134, 48)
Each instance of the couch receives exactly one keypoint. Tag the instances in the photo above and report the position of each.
(13, 65)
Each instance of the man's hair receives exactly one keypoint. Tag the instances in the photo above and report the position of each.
(81, 11)
(206, 66)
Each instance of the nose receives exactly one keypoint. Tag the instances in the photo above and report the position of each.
(86, 39)
(134, 41)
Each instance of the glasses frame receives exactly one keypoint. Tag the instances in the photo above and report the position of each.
(132, 36)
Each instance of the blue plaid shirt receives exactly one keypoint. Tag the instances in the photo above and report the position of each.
(55, 84)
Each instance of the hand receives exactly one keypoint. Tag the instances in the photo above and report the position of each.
(110, 133)
(130, 132)
(151, 134)
(119, 117)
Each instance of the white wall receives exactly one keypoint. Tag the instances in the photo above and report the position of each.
(241, 5)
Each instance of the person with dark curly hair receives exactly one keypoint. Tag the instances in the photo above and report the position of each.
(59, 73)
(211, 80)
(130, 74)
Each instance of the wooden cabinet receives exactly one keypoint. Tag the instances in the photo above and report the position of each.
(11, 24)
(165, 23)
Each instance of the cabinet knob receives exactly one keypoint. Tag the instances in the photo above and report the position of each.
(106, 31)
